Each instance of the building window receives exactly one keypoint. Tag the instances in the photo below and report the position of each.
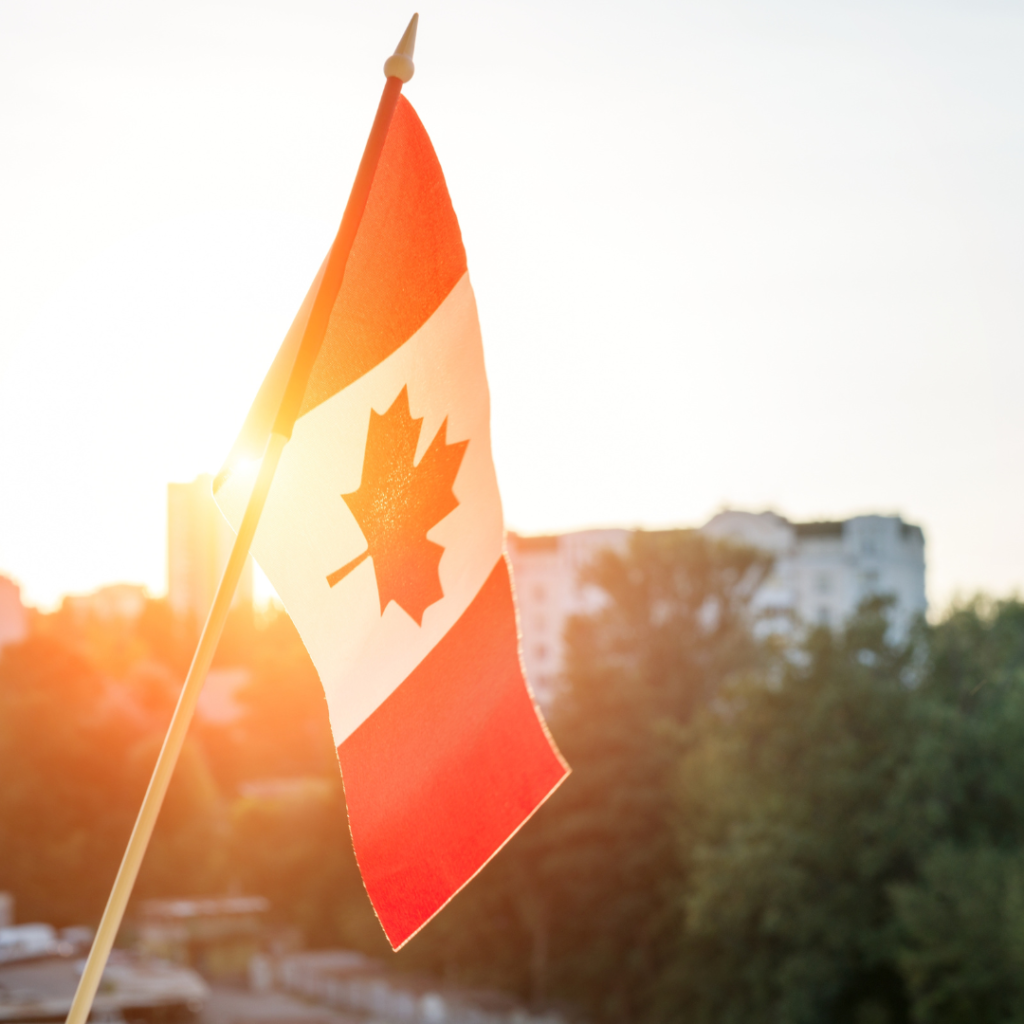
(824, 583)
(540, 652)
(539, 593)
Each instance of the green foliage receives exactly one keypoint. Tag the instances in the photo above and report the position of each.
(828, 833)
(961, 918)
(851, 835)
(84, 707)
(284, 730)
(187, 853)
(63, 801)
(962, 922)
(582, 906)
(294, 848)
(672, 632)
(792, 822)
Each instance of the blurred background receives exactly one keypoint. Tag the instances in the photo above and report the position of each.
(748, 281)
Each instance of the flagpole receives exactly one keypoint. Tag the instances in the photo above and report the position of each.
(398, 69)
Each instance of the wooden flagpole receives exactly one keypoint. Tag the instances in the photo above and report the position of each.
(398, 69)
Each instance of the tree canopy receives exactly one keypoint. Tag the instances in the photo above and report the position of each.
(824, 829)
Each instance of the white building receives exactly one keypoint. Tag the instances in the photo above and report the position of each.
(199, 541)
(13, 616)
(118, 602)
(821, 573)
(546, 574)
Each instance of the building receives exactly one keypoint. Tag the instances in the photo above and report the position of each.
(40, 971)
(821, 572)
(546, 573)
(13, 615)
(199, 541)
(217, 936)
(118, 602)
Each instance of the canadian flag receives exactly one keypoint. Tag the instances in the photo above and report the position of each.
(383, 536)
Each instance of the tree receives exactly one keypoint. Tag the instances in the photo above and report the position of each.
(851, 831)
(791, 825)
(962, 926)
(293, 847)
(65, 804)
(961, 918)
(581, 906)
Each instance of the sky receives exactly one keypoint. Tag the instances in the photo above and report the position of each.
(726, 254)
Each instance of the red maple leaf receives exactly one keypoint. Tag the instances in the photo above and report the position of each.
(398, 502)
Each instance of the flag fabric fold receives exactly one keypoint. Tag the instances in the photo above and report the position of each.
(383, 536)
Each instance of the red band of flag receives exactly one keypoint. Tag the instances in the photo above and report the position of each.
(448, 768)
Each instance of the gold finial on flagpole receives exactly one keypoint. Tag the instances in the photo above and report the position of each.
(399, 64)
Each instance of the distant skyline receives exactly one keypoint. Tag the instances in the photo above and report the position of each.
(725, 254)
